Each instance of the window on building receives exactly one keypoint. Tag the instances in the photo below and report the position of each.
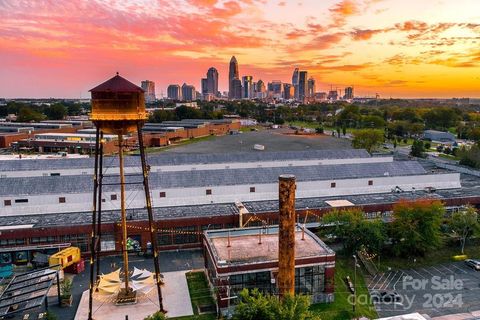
(370, 182)
(103, 200)
(252, 189)
(333, 185)
(183, 235)
(113, 197)
(21, 200)
(61, 200)
(107, 242)
(163, 194)
(7, 202)
(54, 174)
(208, 191)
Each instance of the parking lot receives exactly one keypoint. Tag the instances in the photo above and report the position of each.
(438, 290)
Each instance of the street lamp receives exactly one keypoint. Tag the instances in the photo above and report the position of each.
(354, 285)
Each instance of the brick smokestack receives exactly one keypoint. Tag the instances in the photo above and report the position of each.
(286, 236)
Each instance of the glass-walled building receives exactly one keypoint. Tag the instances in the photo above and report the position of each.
(248, 258)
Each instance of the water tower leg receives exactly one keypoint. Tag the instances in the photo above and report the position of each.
(93, 235)
(99, 211)
(153, 233)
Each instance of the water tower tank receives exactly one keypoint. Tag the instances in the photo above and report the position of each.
(118, 106)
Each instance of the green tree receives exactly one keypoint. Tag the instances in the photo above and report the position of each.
(292, 308)
(470, 157)
(74, 109)
(418, 149)
(56, 111)
(161, 115)
(415, 229)
(367, 139)
(464, 224)
(27, 114)
(157, 316)
(255, 305)
(355, 231)
(184, 112)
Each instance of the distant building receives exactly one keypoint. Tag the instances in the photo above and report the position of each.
(275, 89)
(311, 88)
(204, 87)
(192, 104)
(288, 91)
(236, 89)
(212, 81)
(439, 136)
(320, 96)
(247, 90)
(149, 88)
(295, 78)
(302, 85)
(232, 76)
(332, 95)
(260, 90)
(174, 92)
(188, 92)
(348, 93)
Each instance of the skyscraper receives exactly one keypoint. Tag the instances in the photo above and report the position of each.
(295, 82)
(236, 89)
(275, 89)
(302, 85)
(288, 91)
(174, 92)
(247, 87)
(311, 88)
(204, 84)
(149, 87)
(260, 90)
(188, 92)
(348, 93)
(212, 81)
(232, 75)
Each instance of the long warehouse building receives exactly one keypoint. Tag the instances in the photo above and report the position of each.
(50, 201)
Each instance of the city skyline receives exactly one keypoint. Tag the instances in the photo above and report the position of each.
(399, 49)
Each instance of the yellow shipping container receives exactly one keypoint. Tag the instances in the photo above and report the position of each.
(65, 257)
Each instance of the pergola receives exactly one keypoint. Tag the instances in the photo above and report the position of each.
(28, 291)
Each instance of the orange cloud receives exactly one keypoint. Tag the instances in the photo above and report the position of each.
(203, 3)
(366, 34)
(342, 10)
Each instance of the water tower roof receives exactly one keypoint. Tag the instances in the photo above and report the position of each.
(117, 84)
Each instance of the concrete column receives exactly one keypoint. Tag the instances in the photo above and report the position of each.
(286, 234)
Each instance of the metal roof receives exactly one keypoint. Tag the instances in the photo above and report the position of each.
(26, 291)
(108, 216)
(167, 158)
(117, 84)
(21, 186)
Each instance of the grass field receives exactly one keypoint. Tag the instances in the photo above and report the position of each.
(341, 309)
(199, 295)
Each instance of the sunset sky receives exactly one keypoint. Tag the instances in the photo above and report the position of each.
(398, 48)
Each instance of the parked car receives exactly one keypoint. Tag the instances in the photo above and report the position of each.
(475, 264)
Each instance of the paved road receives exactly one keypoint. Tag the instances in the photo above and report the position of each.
(438, 290)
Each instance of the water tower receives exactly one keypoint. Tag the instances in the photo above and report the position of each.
(118, 107)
